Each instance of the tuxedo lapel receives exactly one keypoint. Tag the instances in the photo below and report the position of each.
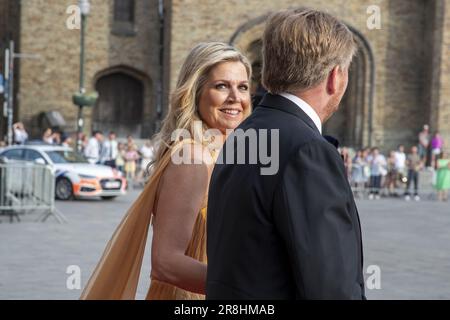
(332, 140)
(283, 104)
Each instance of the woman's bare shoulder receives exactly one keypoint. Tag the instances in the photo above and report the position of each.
(188, 168)
(184, 182)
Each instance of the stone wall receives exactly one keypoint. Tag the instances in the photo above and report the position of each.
(398, 49)
(443, 123)
(410, 54)
(9, 30)
(49, 83)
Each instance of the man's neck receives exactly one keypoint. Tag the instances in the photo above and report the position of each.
(310, 111)
(314, 99)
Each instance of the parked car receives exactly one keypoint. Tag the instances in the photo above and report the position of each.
(75, 176)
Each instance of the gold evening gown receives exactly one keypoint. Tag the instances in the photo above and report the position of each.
(116, 275)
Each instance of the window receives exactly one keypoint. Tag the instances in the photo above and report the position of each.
(33, 155)
(123, 24)
(124, 11)
(14, 154)
(64, 156)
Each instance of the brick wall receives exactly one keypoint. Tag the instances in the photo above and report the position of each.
(49, 83)
(398, 49)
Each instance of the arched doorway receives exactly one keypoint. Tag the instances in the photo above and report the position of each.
(254, 55)
(352, 124)
(120, 104)
(349, 122)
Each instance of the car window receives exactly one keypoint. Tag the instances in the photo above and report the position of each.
(32, 155)
(14, 154)
(66, 156)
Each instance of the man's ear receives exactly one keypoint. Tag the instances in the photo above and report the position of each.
(332, 81)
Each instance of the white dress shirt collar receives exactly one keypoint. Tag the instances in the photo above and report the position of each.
(306, 109)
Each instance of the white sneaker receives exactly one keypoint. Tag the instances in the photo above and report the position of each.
(417, 198)
(377, 197)
(407, 198)
(370, 196)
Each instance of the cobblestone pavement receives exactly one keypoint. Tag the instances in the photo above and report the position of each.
(409, 241)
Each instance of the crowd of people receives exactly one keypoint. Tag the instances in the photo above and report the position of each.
(126, 157)
(370, 172)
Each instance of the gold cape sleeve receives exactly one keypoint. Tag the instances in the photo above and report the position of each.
(116, 275)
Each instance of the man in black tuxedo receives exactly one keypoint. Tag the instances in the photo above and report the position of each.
(294, 233)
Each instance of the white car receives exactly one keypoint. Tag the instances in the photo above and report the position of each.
(75, 176)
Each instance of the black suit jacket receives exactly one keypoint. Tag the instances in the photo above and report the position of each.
(291, 235)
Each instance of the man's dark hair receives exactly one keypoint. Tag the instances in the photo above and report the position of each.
(95, 132)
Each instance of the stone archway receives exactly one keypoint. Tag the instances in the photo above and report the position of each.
(247, 39)
(353, 123)
(123, 105)
(349, 122)
(254, 55)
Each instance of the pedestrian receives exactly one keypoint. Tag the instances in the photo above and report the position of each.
(67, 142)
(436, 148)
(147, 154)
(291, 233)
(424, 142)
(109, 151)
(377, 171)
(93, 148)
(400, 165)
(443, 177)
(392, 175)
(367, 156)
(358, 179)
(130, 142)
(414, 164)
(47, 137)
(56, 138)
(20, 134)
(120, 158)
(84, 142)
(214, 76)
(345, 154)
(131, 158)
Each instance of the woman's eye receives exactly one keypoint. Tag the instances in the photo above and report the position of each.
(243, 88)
(221, 86)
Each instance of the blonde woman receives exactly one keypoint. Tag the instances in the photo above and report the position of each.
(213, 91)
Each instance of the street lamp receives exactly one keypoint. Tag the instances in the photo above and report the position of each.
(81, 98)
(85, 7)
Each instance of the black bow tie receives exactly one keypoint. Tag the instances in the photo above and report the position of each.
(332, 140)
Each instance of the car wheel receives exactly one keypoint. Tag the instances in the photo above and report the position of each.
(64, 189)
(108, 197)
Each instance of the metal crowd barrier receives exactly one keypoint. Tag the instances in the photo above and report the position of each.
(426, 187)
(27, 187)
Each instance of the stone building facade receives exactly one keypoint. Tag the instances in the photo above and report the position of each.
(122, 64)
(399, 79)
(9, 31)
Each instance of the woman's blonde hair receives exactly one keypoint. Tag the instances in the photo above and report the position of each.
(183, 109)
